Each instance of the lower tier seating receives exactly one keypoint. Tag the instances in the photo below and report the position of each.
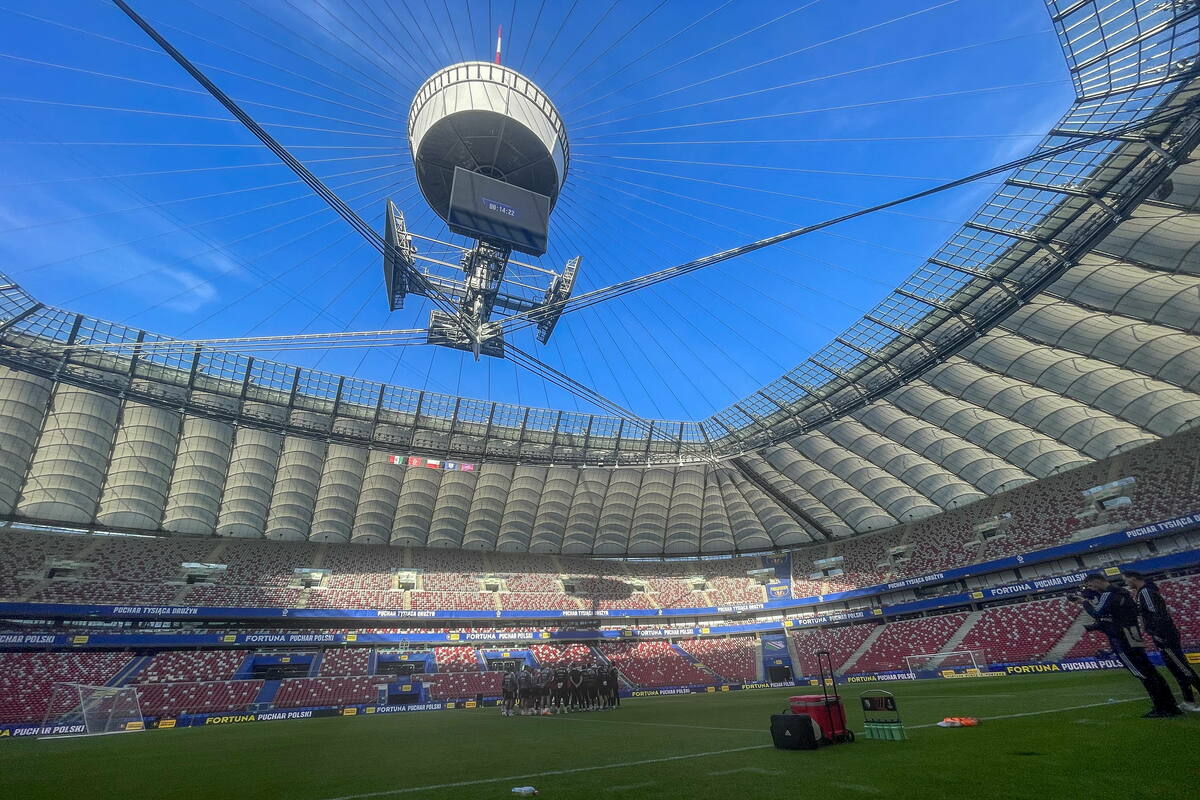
(654, 664)
(905, 638)
(1021, 632)
(172, 699)
(733, 659)
(462, 685)
(296, 692)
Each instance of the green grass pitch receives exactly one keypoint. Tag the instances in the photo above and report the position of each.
(1043, 737)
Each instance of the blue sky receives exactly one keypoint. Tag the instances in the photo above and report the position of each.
(695, 125)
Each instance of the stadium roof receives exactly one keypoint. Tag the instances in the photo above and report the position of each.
(1056, 327)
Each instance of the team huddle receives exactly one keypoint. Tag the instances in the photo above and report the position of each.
(560, 689)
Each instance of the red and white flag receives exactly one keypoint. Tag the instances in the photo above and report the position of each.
(499, 36)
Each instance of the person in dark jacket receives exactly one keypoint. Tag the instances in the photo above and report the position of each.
(1156, 620)
(1116, 616)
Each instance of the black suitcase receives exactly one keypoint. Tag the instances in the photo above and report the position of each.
(795, 732)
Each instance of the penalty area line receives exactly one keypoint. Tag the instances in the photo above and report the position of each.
(549, 773)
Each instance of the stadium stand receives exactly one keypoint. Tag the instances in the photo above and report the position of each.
(841, 643)
(346, 661)
(653, 664)
(905, 638)
(461, 685)
(27, 679)
(171, 699)
(192, 666)
(546, 654)
(1183, 599)
(732, 659)
(327, 691)
(1020, 632)
(456, 659)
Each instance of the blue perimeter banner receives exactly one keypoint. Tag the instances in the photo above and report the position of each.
(1171, 526)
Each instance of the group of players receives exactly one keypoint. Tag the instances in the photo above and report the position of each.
(561, 689)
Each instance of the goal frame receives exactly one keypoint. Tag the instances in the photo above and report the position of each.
(934, 661)
(89, 709)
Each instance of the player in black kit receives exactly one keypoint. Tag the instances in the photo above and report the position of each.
(589, 687)
(508, 688)
(541, 683)
(614, 686)
(1116, 616)
(558, 689)
(1156, 619)
(575, 687)
(602, 703)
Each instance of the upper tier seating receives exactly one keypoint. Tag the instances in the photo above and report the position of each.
(733, 659)
(190, 666)
(905, 638)
(456, 659)
(346, 661)
(142, 570)
(554, 654)
(27, 680)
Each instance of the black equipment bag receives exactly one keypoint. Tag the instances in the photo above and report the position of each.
(795, 732)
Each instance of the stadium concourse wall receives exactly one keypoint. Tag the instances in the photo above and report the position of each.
(1105, 542)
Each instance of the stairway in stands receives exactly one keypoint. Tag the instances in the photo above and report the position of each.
(695, 662)
(957, 637)
(266, 695)
(129, 671)
(864, 647)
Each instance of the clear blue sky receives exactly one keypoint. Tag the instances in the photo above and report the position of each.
(695, 125)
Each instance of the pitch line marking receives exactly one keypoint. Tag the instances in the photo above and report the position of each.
(663, 725)
(757, 770)
(549, 773)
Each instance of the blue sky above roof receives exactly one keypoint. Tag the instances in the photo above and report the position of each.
(129, 194)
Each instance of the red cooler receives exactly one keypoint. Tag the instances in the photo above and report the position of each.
(827, 712)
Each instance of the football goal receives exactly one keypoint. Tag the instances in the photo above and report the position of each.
(924, 663)
(75, 709)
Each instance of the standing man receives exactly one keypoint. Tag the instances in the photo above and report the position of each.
(614, 685)
(1116, 617)
(508, 689)
(542, 683)
(575, 686)
(525, 685)
(590, 687)
(1156, 619)
(559, 693)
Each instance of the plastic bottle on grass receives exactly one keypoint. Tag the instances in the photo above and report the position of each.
(524, 791)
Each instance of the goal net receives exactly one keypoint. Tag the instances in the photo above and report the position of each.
(920, 664)
(78, 710)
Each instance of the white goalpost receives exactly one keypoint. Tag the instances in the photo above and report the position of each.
(950, 659)
(75, 709)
